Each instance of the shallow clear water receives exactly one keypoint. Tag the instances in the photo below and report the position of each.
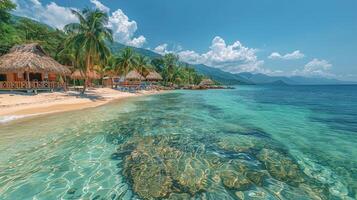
(254, 142)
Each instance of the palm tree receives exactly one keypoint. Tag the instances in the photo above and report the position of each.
(170, 62)
(142, 64)
(88, 38)
(158, 64)
(125, 61)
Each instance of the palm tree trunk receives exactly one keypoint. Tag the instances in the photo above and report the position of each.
(84, 86)
(86, 79)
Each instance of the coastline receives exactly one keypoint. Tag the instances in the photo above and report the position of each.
(14, 106)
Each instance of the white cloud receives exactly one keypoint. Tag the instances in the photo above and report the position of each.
(289, 56)
(124, 29)
(100, 6)
(233, 58)
(190, 57)
(162, 49)
(317, 64)
(51, 14)
(221, 53)
(315, 67)
(137, 42)
(253, 67)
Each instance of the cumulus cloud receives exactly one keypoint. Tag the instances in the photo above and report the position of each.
(191, 57)
(315, 67)
(100, 6)
(124, 29)
(289, 56)
(233, 58)
(221, 53)
(317, 64)
(162, 49)
(51, 14)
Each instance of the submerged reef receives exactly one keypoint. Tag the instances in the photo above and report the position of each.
(231, 167)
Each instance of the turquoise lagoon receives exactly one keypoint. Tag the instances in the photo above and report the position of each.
(253, 142)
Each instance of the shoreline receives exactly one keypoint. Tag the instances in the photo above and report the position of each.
(15, 106)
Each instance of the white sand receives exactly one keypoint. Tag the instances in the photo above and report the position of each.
(16, 105)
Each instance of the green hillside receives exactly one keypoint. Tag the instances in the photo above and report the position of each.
(21, 30)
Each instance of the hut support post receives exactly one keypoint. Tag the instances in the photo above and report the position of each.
(65, 83)
(28, 80)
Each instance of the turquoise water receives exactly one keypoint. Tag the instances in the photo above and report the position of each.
(254, 142)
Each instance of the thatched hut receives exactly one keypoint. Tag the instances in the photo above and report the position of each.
(154, 77)
(134, 76)
(29, 67)
(79, 75)
(207, 82)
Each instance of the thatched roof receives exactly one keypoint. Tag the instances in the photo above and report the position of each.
(207, 82)
(30, 58)
(134, 75)
(153, 76)
(79, 75)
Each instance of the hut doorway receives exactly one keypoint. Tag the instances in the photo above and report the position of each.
(35, 76)
(3, 77)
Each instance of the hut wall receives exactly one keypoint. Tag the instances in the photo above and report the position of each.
(52, 77)
(107, 82)
(16, 77)
(10, 77)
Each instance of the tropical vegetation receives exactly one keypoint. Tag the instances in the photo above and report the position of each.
(87, 40)
(86, 46)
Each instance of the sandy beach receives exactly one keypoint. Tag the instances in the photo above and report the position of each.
(19, 105)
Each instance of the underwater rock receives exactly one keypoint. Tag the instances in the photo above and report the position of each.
(157, 170)
(193, 177)
(281, 167)
(71, 191)
(245, 143)
(255, 194)
(257, 177)
(236, 143)
(175, 196)
(184, 167)
(148, 172)
(235, 180)
(248, 142)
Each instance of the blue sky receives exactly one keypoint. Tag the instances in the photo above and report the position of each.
(276, 37)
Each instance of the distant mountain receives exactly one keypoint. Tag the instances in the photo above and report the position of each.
(279, 82)
(318, 81)
(116, 47)
(265, 79)
(293, 80)
(222, 76)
